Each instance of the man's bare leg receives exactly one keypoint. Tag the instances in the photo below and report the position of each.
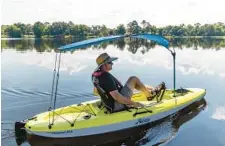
(135, 83)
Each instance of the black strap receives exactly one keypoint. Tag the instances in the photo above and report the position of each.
(159, 93)
(142, 112)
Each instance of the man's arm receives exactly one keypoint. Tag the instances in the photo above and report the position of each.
(110, 87)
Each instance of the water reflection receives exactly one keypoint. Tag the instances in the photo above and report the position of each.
(189, 61)
(46, 45)
(219, 113)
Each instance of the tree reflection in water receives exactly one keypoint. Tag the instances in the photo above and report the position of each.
(133, 45)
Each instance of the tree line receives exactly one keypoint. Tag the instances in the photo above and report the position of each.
(62, 29)
(132, 45)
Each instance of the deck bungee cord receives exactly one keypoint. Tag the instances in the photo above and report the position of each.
(54, 96)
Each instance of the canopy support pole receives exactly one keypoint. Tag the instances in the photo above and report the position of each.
(53, 81)
(174, 73)
(54, 88)
(173, 53)
(57, 80)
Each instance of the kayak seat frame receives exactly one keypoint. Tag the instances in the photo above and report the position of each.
(103, 104)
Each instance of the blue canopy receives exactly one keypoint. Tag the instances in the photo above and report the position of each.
(159, 39)
(89, 42)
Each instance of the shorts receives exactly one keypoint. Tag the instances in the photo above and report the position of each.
(125, 91)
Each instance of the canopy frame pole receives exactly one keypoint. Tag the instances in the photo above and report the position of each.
(57, 81)
(53, 80)
(54, 87)
(173, 53)
(174, 73)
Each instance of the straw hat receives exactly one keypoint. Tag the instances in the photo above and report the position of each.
(104, 58)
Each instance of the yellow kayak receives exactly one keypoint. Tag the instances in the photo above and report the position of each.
(88, 118)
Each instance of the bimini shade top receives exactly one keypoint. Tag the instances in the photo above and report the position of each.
(89, 42)
(158, 39)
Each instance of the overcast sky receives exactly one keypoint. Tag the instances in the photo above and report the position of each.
(113, 12)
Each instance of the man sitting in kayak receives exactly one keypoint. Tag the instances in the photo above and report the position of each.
(117, 95)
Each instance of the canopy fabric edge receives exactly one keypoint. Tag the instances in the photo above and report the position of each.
(159, 39)
(89, 42)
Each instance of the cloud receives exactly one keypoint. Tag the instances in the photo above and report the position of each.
(112, 13)
(219, 114)
(222, 75)
(69, 63)
(188, 61)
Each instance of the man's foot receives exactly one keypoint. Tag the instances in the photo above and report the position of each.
(157, 90)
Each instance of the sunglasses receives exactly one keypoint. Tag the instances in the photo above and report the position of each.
(110, 63)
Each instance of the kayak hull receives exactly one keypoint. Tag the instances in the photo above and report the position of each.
(112, 127)
(118, 137)
(95, 139)
(101, 125)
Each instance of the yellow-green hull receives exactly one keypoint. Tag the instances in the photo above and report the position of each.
(88, 119)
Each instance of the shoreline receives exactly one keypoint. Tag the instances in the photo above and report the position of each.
(88, 37)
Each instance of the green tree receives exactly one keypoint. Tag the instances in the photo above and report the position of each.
(120, 30)
(144, 24)
(104, 31)
(80, 30)
(197, 29)
(3, 29)
(22, 27)
(84, 30)
(219, 29)
(13, 31)
(38, 29)
(74, 30)
(58, 28)
(95, 30)
(133, 28)
(46, 29)
(113, 31)
(29, 29)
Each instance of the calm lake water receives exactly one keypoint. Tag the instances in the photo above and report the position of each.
(27, 71)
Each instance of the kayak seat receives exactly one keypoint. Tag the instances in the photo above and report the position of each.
(103, 96)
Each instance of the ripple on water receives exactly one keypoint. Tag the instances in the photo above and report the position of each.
(159, 134)
(25, 98)
(7, 130)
